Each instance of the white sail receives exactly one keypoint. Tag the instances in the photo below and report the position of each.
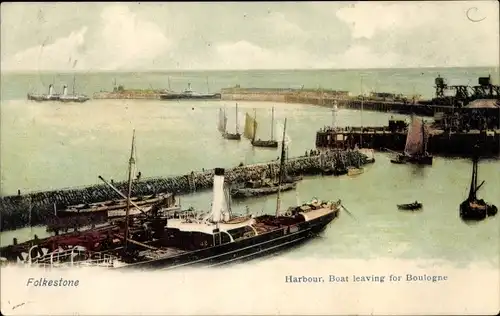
(416, 138)
(250, 127)
(222, 122)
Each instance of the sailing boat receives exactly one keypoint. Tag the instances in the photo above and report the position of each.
(416, 145)
(80, 98)
(223, 124)
(251, 132)
(474, 208)
(267, 186)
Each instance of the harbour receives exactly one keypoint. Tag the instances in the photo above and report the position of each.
(305, 122)
(291, 158)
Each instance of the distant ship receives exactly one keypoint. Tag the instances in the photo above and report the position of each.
(189, 94)
(44, 97)
(64, 97)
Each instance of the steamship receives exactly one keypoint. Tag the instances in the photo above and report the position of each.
(64, 97)
(44, 97)
(162, 242)
(190, 95)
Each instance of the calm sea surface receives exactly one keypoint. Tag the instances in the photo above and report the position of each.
(55, 145)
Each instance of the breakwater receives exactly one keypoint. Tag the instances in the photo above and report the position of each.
(129, 95)
(37, 208)
(328, 98)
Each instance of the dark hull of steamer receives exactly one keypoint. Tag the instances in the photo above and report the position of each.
(259, 246)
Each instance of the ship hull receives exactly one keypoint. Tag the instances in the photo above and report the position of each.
(252, 192)
(190, 97)
(43, 98)
(246, 249)
(265, 143)
(417, 160)
(469, 213)
(230, 136)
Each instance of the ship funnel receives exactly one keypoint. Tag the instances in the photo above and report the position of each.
(51, 89)
(218, 198)
(189, 86)
(65, 90)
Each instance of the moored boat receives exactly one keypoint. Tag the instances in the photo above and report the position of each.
(265, 186)
(474, 209)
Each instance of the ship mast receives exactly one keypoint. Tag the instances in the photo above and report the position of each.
(281, 173)
(236, 118)
(473, 185)
(272, 124)
(424, 143)
(74, 81)
(127, 210)
(254, 124)
(225, 118)
(362, 100)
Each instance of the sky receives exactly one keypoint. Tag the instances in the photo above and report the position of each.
(247, 35)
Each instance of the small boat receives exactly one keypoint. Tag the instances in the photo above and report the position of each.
(251, 131)
(399, 159)
(222, 125)
(415, 151)
(410, 207)
(474, 208)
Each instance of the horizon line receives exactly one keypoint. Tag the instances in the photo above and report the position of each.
(232, 70)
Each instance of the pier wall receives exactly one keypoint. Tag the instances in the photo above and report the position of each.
(440, 142)
(327, 98)
(15, 210)
(127, 95)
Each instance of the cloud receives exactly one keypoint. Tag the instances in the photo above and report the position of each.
(123, 42)
(191, 36)
(362, 56)
(127, 41)
(427, 33)
(49, 56)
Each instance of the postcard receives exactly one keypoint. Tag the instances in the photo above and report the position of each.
(253, 158)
